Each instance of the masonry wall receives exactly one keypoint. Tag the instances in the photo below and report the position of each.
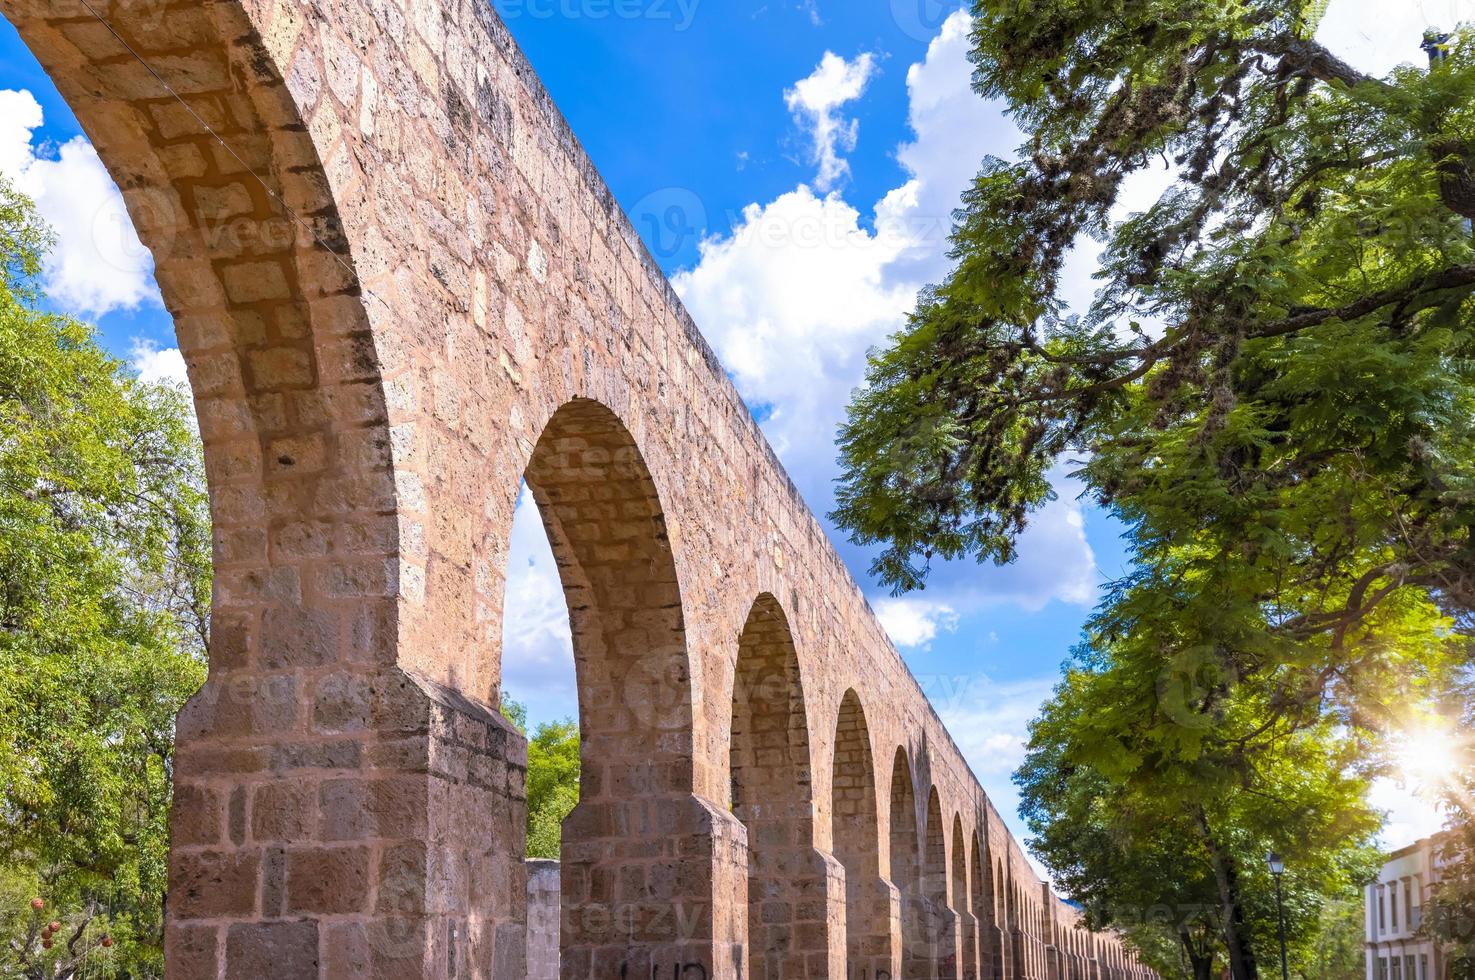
(400, 287)
(543, 914)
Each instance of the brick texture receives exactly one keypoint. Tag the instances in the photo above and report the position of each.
(401, 288)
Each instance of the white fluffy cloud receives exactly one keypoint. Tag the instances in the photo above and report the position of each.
(799, 291)
(98, 264)
(156, 365)
(914, 623)
(815, 102)
(954, 130)
(791, 301)
(537, 645)
(988, 719)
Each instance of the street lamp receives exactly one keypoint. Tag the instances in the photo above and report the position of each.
(1436, 45)
(1277, 868)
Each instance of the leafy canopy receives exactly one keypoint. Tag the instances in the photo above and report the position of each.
(1171, 850)
(1272, 391)
(104, 597)
(552, 780)
(1286, 329)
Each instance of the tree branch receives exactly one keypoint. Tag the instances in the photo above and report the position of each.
(1454, 277)
(1308, 58)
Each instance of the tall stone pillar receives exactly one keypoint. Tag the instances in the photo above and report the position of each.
(544, 913)
(948, 943)
(968, 933)
(654, 885)
(347, 824)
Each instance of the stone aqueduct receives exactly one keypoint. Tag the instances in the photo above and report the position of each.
(401, 288)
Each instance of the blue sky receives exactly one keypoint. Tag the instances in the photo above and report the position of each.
(793, 165)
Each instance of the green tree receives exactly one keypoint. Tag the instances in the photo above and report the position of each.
(553, 785)
(1272, 390)
(1339, 952)
(552, 780)
(1162, 843)
(1117, 852)
(1449, 917)
(104, 595)
(1449, 912)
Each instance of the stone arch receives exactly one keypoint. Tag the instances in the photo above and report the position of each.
(968, 924)
(268, 313)
(289, 382)
(637, 822)
(607, 530)
(941, 921)
(772, 795)
(1032, 933)
(856, 836)
(906, 872)
(1013, 929)
(981, 902)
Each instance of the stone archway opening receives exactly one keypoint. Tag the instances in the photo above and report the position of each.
(980, 881)
(772, 795)
(621, 849)
(906, 873)
(539, 689)
(941, 923)
(967, 921)
(856, 833)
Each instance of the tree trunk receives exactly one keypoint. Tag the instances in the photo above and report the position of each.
(1456, 182)
(1242, 964)
(1201, 964)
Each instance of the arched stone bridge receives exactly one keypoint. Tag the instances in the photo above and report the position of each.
(401, 288)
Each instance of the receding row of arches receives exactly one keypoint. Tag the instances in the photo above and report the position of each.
(920, 903)
(917, 903)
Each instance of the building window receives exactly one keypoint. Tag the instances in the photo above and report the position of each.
(1382, 920)
(1393, 897)
(1423, 966)
(1382, 968)
(1397, 968)
(1408, 967)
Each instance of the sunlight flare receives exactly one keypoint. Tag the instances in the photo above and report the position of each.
(1427, 758)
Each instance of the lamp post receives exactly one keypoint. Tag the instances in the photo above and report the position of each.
(1277, 868)
(1436, 45)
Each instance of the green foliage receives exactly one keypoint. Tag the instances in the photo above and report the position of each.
(553, 779)
(1295, 303)
(515, 712)
(1449, 913)
(1274, 390)
(1339, 952)
(1162, 846)
(104, 596)
(553, 785)
(1450, 916)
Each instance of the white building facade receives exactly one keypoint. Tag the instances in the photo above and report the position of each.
(1394, 910)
